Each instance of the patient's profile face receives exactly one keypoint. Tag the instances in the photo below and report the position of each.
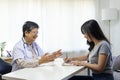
(87, 37)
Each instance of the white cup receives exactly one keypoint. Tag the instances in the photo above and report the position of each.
(58, 62)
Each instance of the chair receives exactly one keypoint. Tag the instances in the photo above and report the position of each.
(0, 77)
(116, 67)
(4, 67)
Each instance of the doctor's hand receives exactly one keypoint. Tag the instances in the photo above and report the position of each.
(57, 53)
(46, 58)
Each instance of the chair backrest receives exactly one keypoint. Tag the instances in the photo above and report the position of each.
(116, 67)
(5, 67)
(116, 63)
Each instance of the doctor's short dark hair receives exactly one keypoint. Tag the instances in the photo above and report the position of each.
(28, 26)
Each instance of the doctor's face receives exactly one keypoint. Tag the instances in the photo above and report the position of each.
(32, 35)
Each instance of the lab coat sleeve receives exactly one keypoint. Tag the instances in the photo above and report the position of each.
(27, 63)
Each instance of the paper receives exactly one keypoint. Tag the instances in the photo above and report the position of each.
(67, 64)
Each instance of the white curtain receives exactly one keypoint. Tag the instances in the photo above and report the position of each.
(59, 21)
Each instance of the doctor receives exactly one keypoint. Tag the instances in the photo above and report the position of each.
(27, 53)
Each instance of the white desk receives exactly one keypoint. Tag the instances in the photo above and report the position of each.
(50, 71)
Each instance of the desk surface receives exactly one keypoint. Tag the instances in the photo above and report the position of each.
(49, 71)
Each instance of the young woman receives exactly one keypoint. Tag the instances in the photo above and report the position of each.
(99, 55)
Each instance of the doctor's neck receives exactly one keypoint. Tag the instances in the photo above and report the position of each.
(28, 41)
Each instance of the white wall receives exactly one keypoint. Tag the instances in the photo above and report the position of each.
(115, 28)
(114, 24)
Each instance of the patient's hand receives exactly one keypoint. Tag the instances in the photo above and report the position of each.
(78, 63)
(67, 60)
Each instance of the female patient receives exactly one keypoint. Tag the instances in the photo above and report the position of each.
(99, 55)
(27, 53)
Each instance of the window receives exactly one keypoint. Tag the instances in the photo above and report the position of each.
(59, 21)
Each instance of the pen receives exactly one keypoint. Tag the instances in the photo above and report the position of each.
(66, 55)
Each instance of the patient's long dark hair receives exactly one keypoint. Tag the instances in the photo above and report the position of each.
(92, 28)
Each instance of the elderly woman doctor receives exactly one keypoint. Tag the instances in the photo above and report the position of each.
(27, 53)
